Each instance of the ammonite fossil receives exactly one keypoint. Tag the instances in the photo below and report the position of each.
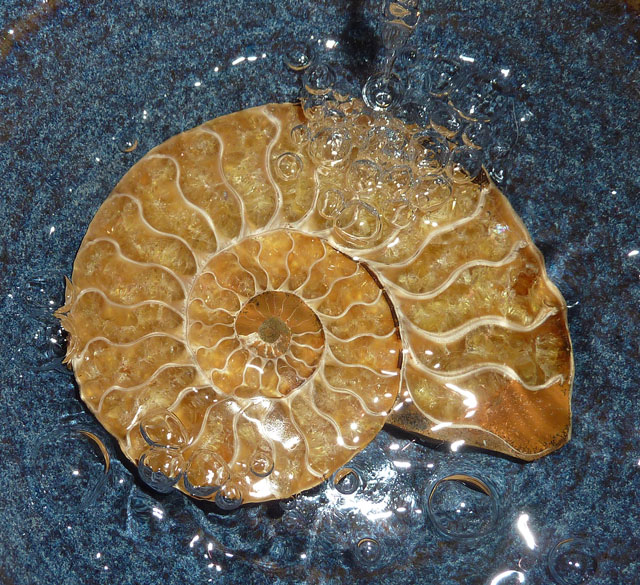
(258, 296)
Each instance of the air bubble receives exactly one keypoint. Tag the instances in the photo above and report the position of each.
(432, 151)
(445, 121)
(299, 56)
(507, 578)
(70, 470)
(441, 77)
(205, 474)
(163, 429)
(363, 176)
(288, 166)
(330, 146)
(300, 134)
(477, 135)
(346, 480)
(399, 212)
(330, 203)
(466, 164)
(430, 192)
(381, 92)
(462, 507)
(229, 497)
(160, 468)
(573, 561)
(319, 79)
(358, 223)
(261, 463)
(368, 551)
(397, 181)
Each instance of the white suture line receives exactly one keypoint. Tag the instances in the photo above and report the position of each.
(227, 184)
(146, 223)
(186, 201)
(110, 343)
(398, 291)
(267, 160)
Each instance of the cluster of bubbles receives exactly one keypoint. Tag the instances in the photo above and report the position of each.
(168, 460)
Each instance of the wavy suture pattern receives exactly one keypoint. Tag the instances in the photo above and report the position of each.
(260, 294)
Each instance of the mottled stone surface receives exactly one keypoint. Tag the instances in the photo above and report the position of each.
(88, 74)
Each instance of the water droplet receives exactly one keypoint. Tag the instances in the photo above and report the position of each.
(229, 497)
(477, 134)
(330, 146)
(288, 166)
(71, 467)
(206, 472)
(430, 192)
(462, 507)
(319, 79)
(445, 120)
(300, 134)
(397, 181)
(163, 429)
(125, 138)
(160, 468)
(368, 551)
(507, 578)
(363, 176)
(466, 164)
(432, 151)
(381, 92)
(573, 561)
(441, 77)
(359, 223)
(299, 56)
(346, 480)
(330, 203)
(261, 463)
(398, 212)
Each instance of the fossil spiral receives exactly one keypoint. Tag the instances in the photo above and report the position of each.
(258, 296)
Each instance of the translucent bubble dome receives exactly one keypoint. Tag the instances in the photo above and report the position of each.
(259, 295)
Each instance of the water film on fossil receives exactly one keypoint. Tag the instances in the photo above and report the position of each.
(259, 295)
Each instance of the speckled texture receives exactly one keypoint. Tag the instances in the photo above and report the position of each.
(90, 70)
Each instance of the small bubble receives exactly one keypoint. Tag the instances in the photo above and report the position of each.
(206, 472)
(363, 176)
(368, 551)
(125, 138)
(445, 121)
(72, 468)
(430, 192)
(330, 146)
(397, 181)
(359, 223)
(507, 578)
(330, 203)
(477, 134)
(381, 92)
(462, 507)
(288, 166)
(160, 468)
(300, 134)
(261, 463)
(399, 212)
(466, 164)
(229, 497)
(431, 151)
(299, 56)
(441, 77)
(573, 561)
(319, 79)
(163, 429)
(346, 480)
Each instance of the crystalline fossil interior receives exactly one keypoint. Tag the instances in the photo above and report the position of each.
(258, 296)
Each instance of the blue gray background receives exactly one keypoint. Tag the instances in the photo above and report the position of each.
(78, 79)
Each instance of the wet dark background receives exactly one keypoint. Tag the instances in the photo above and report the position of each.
(79, 80)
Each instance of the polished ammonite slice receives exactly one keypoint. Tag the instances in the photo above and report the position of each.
(260, 294)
